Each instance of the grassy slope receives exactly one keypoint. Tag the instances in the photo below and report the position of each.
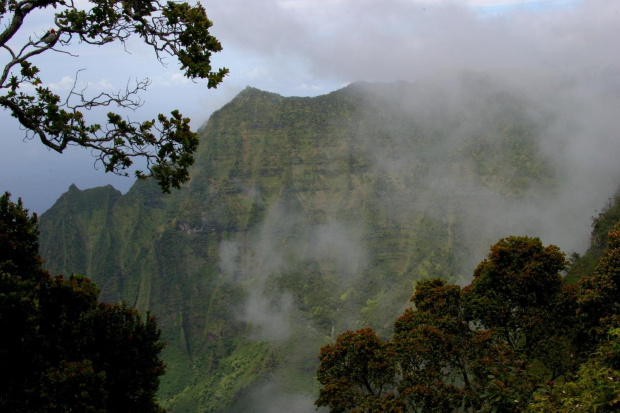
(336, 204)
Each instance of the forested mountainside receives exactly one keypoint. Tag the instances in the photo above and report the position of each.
(305, 217)
(583, 265)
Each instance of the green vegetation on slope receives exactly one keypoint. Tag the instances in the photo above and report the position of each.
(601, 225)
(304, 217)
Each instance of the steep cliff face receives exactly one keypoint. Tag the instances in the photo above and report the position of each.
(304, 217)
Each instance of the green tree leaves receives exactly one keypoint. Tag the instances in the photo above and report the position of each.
(357, 371)
(595, 387)
(177, 30)
(599, 301)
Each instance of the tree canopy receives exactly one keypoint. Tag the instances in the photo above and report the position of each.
(172, 29)
(60, 349)
(515, 339)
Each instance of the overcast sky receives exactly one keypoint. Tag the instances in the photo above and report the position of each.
(308, 48)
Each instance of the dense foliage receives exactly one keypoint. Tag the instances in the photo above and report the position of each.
(595, 387)
(173, 29)
(510, 341)
(60, 349)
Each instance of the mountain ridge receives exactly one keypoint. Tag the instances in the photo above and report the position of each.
(305, 217)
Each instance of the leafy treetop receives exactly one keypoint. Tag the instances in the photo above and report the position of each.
(510, 341)
(172, 29)
(19, 239)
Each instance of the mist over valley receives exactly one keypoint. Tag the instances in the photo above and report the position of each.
(305, 217)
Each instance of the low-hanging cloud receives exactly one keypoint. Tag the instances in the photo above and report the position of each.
(283, 240)
(564, 60)
(352, 40)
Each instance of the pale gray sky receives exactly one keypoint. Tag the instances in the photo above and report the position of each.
(312, 47)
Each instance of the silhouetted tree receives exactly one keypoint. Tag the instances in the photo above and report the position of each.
(61, 350)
